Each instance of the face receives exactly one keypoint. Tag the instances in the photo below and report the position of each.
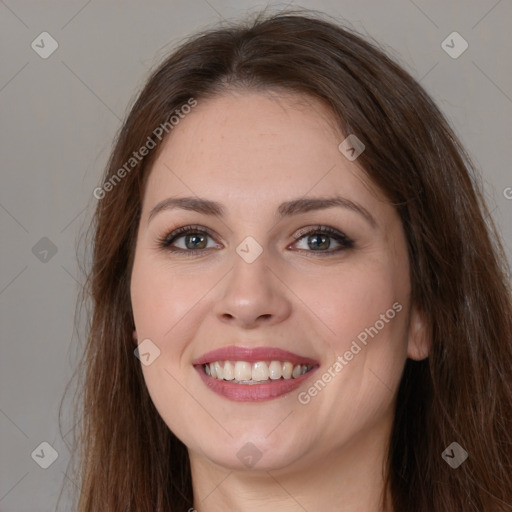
(269, 281)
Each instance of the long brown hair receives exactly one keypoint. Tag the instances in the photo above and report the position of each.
(129, 459)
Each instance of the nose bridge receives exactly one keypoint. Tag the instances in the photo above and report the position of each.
(250, 276)
(252, 291)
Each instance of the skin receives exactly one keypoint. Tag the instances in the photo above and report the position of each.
(251, 151)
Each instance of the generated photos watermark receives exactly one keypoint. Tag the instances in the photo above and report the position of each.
(137, 156)
(304, 397)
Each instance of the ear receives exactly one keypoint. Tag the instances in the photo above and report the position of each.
(135, 338)
(419, 337)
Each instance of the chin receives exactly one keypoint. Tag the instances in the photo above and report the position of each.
(255, 450)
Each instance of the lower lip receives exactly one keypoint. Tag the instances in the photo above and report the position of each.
(252, 392)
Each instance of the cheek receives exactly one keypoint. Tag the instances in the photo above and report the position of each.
(365, 310)
(177, 406)
(355, 301)
(162, 297)
(163, 305)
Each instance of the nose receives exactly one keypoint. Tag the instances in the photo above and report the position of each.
(253, 295)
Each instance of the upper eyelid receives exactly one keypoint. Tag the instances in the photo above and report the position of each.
(183, 230)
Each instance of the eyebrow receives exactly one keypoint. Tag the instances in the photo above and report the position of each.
(286, 209)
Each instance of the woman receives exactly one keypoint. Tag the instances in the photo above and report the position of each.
(373, 376)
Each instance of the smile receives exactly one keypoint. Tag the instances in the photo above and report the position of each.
(243, 374)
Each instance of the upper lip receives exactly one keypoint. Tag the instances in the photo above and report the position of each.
(252, 355)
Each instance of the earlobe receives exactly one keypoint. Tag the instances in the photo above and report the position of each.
(419, 336)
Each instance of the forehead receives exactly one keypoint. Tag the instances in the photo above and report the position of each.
(256, 147)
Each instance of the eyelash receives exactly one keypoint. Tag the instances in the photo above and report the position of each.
(345, 242)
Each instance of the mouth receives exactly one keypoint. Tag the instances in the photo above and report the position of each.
(243, 374)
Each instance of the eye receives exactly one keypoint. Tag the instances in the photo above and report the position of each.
(195, 240)
(319, 238)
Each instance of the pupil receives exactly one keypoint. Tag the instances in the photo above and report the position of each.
(325, 244)
(193, 237)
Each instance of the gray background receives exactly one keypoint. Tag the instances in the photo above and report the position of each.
(60, 114)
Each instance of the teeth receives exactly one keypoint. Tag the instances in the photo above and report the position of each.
(229, 371)
(296, 371)
(252, 373)
(260, 371)
(243, 370)
(287, 370)
(219, 370)
(275, 370)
